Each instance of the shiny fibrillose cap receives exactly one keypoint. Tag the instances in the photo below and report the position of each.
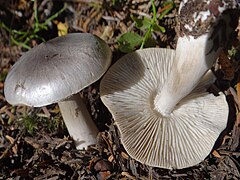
(57, 69)
(54, 72)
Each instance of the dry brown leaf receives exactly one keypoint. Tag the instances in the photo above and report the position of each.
(107, 33)
(23, 4)
(110, 158)
(2, 97)
(238, 90)
(238, 30)
(216, 154)
(235, 134)
(1, 85)
(104, 175)
(124, 155)
(226, 66)
(235, 96)
(46, 112)
(4, 109)
(89, 20)
(11, 140)
(128, 175)
(32, 142)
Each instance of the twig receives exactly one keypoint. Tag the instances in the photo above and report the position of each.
(235, 96)
(11, 145)
(224, 152)
(110, 18)
(236, 162)
(109, 147)
(164, 8)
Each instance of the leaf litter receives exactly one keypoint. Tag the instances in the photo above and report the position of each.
(47, 152)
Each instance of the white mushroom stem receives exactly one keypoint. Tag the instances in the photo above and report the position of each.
(193, 59)
(78, 121)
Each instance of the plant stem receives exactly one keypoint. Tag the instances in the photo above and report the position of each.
(153, 21)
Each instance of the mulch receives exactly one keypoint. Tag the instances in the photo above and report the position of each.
(34, 143)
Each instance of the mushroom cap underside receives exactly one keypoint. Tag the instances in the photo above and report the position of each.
(56, 69)
(182, 139)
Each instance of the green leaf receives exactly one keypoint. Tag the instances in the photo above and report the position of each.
(142, 23)
(157, 27)
(129, 41)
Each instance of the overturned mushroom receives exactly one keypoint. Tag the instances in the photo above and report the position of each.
(161, 123)
(56, 71)
(206, 28)
(183, 138)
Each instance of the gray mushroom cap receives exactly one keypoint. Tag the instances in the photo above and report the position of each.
(180, 140)
(56, 69)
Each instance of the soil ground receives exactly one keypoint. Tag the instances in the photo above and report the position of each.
(34, 143)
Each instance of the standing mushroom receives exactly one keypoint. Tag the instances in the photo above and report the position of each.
(181, 139)
(206, 28)
(56, 71)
